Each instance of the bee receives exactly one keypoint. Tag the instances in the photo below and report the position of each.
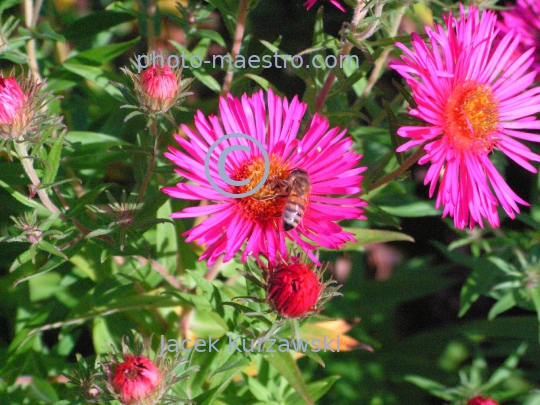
(296, 203)
(296, 189)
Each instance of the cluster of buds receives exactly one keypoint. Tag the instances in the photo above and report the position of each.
(131, 377)
(156, 89)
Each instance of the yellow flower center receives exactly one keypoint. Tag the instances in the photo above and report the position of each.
(471, 117)
(260, 206)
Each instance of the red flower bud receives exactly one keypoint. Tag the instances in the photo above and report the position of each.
(481, 401)
(11, 100)
(159, 83)
(135, 379)
(293, 289)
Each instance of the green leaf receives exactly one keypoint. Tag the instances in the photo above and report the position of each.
(97, 76)
(287, 367)
(95, 23)
(88, 198)
(393, 126)
(54, 161)
(316, 389)
(101, 55)
(48, 247)
(166, 242)
(20, 197)
(41, 391)
(234, 363)
(200, 73)
(413, 210)
(430, 386)
(212, 35)
(502, 305)
(5, 4)
(367, 236)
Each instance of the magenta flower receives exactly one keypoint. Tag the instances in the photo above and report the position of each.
(474, 96)
(525, 19)
(310, 3)
(326, 155)
(12, 100)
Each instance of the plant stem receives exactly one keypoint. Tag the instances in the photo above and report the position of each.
(150, 12)
(238, 36)
(401, 169)
(381, 60)
(151, 162)
(32, 175)
(31, 20)
(359, 14)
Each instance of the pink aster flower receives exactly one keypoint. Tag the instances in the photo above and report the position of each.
(310, 3)
(326, 155)
(11, 100)
(473, 94)
(524, 18)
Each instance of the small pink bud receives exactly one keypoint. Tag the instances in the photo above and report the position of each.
(34, 237)
(11, 100)
(481, 401)
(159, 83)
(293, 289)
(135, 379)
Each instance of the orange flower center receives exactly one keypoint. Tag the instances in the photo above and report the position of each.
(471, 117)
(265, 204)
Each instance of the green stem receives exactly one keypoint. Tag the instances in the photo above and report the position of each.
(359, 14)
(32, 175)
(400, 170)
(238, 36)
(151, 161)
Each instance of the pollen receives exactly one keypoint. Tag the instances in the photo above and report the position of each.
(471, 118)
(266, 203)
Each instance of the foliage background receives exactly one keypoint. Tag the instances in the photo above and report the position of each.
(423, 306)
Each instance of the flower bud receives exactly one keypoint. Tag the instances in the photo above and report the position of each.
(481, 401)
(11, 100)
(293, 289)
(135, 379)
(160, 85)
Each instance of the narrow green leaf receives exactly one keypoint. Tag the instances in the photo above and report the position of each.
(50, 248)
(393, 126)
(502, 305)
(367, 236)
(49, 174)
(413, 210)
(432, 387)
(5, 4)
(20, 197)
(95, 75)
(287, 367)
(317, 389)
(95, 23)
(101, 55)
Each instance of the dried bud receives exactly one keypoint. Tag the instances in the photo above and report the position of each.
(12, 100)
(135, 379)
(159, 83)
(481, 401)
(293, 289)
